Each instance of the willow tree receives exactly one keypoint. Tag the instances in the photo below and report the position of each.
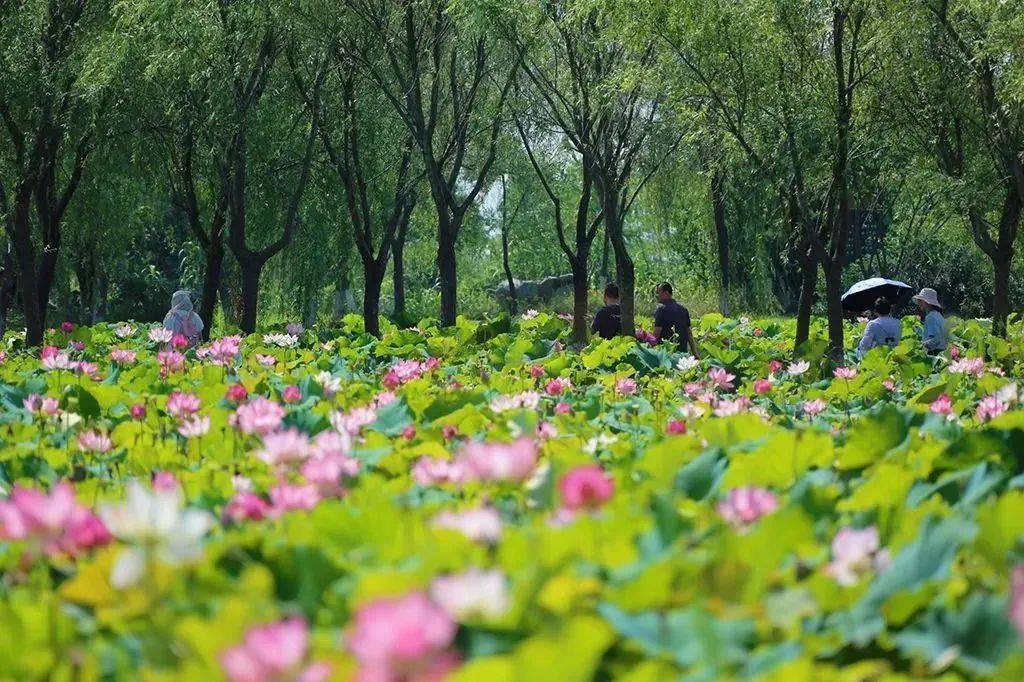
(959, 78)
(55, 107)
(447, 78)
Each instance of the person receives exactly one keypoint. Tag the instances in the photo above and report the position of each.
(883, 330)
(934, 334)
(608, 319)
(182, 319)
(672, 321)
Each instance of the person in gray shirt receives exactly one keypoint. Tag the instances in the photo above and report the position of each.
(884, 330)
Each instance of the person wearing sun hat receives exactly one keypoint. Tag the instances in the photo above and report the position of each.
(934, 335)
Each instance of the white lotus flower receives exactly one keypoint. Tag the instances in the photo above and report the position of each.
(473, 593)
(687, 363)
(797, 368)
(281, 340)
(155, 525)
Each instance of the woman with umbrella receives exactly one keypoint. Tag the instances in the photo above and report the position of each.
(884, 330)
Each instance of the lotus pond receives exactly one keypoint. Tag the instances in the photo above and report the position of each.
(484, 504)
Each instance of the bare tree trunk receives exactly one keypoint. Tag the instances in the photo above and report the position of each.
(580, 304)
(211, 284)
(398, 277)
(512, 302)
(834, 303)
(808, 284)
(721, 238)
(447, 269)
(373, 276)
(251, 269)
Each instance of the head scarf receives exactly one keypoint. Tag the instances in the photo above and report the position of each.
(182, 318)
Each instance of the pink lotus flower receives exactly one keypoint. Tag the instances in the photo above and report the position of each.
(970, 366)
(720, 378)
(758, 332)
(536, 371)
(854, 553)
(450, 432)
(179, 342)
(259, 416)
(813, 408)
(431, 471)
(237, 394)
(94, 441)
(845, 373)
(742, 507)
(762, 386)
(160, 335)
(353, 421)
(889, 385)
(223, 351)
(625, 386)
(170, 362)
(728, 408)
(558, 386)
(512, 462)
(67, 327)
(644, 336)
(471, 594)
(165, 482)
(1017, 599)
(676, 427)
(273, 653)
(545, 430)
(693, 389)
(266, 360)
(181, 405)
(774, 367)
(137, 411)
(291, 394)
(402, 639)
(295, 328)
(3, 357)
(405, 371)
(122, 356)
(990, 407)
(54, 522)
(246, 506)
(286, 497)
(195, 426)
(563, 408)
(409, 432)
(285, 448)
(586, 488)
(54, 360)
(482, 524)
(942, 405)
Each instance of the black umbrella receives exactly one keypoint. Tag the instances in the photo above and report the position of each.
(861, 296)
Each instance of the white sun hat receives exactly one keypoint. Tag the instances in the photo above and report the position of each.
(929, 296)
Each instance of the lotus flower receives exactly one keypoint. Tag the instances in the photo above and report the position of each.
(742, 507)
(402, 639)
(273, 652)
(471, 594)
(586, 488)
(482, 524)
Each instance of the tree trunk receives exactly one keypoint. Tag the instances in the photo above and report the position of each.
(580, 291)
(46, 275)
(398, 277)
(834, 303)
(606, 275)
(373, 276)
(250, 270)
(808, 284)
(446, 269)
(623, 261)
(721, 238)
(1001, 294)
(7, 290)
(211, 284)
(102, 296)
(512, 303)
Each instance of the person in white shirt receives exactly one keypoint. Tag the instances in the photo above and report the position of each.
(884, 330)
(934, 334)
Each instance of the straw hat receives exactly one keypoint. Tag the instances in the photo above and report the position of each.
(929, 296)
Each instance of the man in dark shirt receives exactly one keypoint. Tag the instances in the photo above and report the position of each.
(608, 319)
(672, 321)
